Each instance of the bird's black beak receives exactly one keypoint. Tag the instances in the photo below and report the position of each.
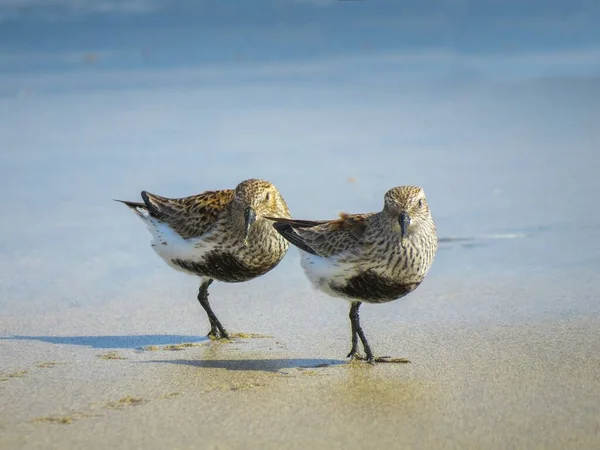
(404, 221)
(249, 219)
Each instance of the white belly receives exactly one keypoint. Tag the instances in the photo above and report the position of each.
(323, 271)
(171, 246)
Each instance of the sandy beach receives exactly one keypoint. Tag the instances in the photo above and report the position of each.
(125, 376)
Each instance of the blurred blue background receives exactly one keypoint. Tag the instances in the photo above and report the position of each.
(492, 107)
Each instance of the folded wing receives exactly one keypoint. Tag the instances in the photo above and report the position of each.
(326, 237)
(189, 216)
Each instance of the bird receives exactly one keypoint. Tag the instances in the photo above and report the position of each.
(218, 235)
(367, 258)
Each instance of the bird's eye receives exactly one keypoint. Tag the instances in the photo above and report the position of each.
(420, 203)
(268, 197)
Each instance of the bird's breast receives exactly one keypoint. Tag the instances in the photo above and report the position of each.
(222, 266)
(371, 287)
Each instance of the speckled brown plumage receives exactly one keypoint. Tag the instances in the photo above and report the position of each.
(189, 216)
(217, 235)
(374, 257)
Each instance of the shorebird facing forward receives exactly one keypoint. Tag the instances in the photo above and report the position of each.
(217, 235)
(372, 258)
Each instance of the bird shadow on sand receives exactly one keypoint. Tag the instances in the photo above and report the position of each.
(264, 365)
(112, 342)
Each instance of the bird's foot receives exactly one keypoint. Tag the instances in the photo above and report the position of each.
(389, 360)
(354, 354)
(225, 334)
(215, 334)
(380, 359)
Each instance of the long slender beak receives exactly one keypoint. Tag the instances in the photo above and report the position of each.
(249, 219)
(404, 221)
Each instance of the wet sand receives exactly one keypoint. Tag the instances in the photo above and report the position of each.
(516, 385)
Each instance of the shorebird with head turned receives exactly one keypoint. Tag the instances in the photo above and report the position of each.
(217, 235)
(371, 258)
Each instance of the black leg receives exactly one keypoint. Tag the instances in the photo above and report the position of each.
(214, 332)
(216, 329)
(353, 319)
(357, 332)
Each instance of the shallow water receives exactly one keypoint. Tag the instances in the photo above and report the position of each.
(511, 182)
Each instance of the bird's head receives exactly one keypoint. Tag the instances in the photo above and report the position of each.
(405, 207)
(257, 198)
